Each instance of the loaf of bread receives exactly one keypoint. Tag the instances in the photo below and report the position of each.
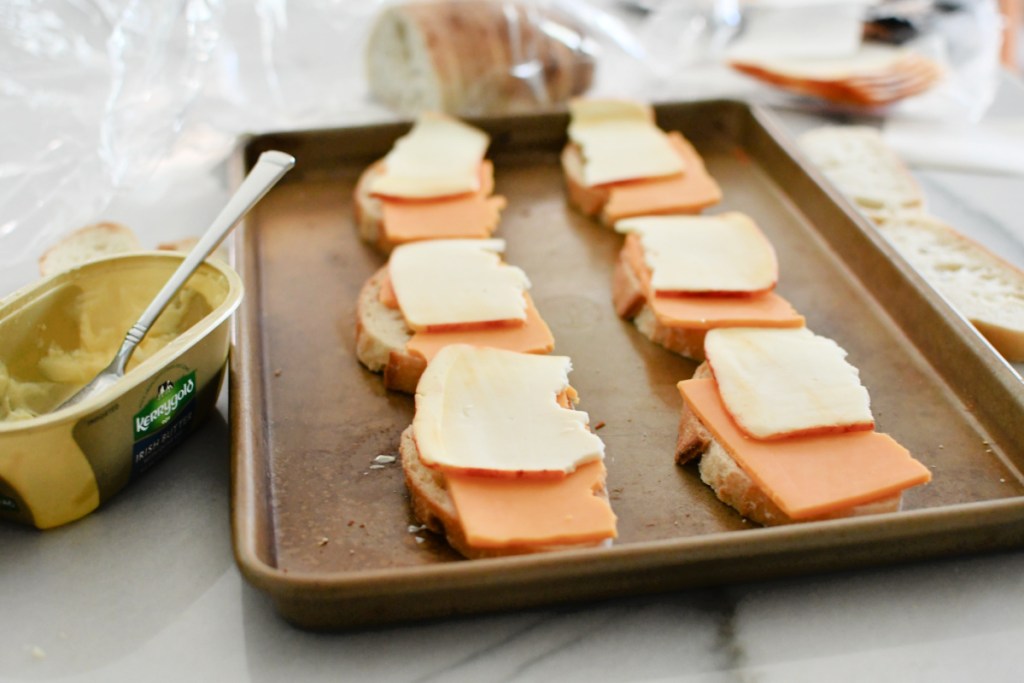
(474, 57)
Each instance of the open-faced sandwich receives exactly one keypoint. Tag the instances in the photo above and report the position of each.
(679, 276)
(618, 163)
(440, 292)
(784, 430)
(433, 184)
(498, 461)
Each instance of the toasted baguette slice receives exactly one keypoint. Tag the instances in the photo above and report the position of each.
(381, 339)
(987, 290)
(734, 487)
(88, 244)
(433, 507)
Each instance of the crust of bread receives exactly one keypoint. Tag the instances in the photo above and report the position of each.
(735, 488)
(462, 57)
(630, 304)
(369, 212)
(381, 339)
(433, 507)
(88, 244)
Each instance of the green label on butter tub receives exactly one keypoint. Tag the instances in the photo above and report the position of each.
(163, 422)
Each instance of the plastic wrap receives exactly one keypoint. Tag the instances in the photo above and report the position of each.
(99, 92)
(113, 97)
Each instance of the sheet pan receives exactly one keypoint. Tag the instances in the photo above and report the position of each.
(327, 532)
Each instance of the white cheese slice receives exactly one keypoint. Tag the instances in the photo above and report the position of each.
(702, 254)
(439, 157)
(619, 141)
(456, 282)
(490, 410)
(584, 110)
(779, 382)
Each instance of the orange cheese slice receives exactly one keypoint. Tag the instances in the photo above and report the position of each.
(532, 336)
(687, 192)
(500, 512)
(470, 215)
(808, 476)
(701, 312)
(708, 312)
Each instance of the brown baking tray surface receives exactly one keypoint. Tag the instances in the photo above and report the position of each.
(327, 532)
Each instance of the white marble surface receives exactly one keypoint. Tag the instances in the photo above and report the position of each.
(146, 589)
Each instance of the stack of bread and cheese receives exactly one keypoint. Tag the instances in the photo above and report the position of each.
(779, 419)
(497, 459)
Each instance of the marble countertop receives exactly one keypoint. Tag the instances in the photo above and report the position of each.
(147, 588)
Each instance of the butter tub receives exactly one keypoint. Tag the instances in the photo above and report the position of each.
(59, 465)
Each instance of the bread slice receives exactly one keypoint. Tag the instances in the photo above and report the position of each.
(433, 507)
(984, 288)
(734, 487)
(862, 167)
(88, 244)
(381, 339)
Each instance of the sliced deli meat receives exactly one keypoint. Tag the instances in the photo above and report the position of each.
(491, 411)
(439, 157)
(723, 254)
(777, 383)
(452, 284)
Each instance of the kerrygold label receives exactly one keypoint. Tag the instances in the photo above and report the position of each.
(163, 421)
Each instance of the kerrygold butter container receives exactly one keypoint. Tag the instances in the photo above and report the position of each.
(55, 335)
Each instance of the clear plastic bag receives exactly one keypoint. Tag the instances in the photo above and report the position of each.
(116, 95)
(99, 93)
